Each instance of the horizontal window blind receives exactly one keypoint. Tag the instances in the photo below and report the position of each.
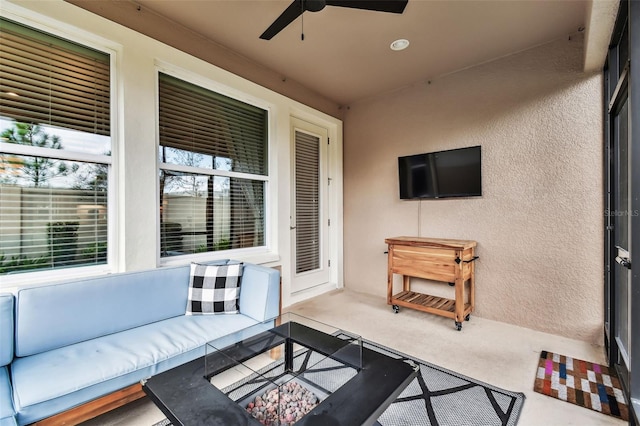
(59, 223)
(48, 80)
(203, 213)
(201, 121)
(206, 130)
(307, 187)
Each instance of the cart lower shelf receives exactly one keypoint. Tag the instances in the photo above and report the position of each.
(431, 304)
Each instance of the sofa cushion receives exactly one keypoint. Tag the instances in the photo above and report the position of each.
(57, 315)
(260, 284)
(6, 406)
(53, 316)
(214, 289)
(6, 328)
(59, 379)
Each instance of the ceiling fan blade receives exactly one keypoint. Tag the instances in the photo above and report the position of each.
(392, 6)
(288, 16)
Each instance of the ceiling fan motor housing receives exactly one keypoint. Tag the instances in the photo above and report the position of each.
(314, 5)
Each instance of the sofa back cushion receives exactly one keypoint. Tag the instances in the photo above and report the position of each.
(6, 328)
(57, 315)
(260, 292)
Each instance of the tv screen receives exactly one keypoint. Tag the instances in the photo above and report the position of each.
(442, 174)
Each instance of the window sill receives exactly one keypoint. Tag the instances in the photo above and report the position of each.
(254, 255)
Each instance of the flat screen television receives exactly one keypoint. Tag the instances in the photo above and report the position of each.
(442, 174)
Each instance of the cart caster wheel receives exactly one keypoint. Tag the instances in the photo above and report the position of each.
(396, 309)
(468, 317)
(458, 326)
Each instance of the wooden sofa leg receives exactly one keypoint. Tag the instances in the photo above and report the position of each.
(94, 408)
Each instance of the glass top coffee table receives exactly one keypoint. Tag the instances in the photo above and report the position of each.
(291, 370)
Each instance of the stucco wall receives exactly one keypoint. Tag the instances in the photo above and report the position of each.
(539, 222)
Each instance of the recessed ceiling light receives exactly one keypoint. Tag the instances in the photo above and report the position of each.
(400, 44)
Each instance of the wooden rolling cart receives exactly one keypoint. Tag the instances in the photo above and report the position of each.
(451, 261)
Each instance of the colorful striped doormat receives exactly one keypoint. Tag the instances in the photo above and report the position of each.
(582, 383)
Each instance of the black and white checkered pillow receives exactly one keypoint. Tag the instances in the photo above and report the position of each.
(214, 289)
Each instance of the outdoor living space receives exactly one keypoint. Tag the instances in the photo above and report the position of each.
(491, 351)
(194, 141)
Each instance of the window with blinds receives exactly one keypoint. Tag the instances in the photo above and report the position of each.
(55, 150)
(213, 170)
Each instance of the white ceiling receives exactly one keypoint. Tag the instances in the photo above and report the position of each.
(345, 55)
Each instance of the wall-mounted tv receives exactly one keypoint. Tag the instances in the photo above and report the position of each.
(442, 174)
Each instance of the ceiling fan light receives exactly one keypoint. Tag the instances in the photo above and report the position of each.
(400, 44)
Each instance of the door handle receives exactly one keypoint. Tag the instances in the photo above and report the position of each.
(623, 257)
(623, 261)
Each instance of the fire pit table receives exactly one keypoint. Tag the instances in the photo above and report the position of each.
(291, 370)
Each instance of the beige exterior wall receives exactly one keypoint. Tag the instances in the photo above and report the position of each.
(539, 223)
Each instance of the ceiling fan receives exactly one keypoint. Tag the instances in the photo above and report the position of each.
(296, 9)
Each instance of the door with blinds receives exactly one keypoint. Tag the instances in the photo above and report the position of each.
(309, 216)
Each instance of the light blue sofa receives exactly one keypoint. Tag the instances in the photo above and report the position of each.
(78, 341)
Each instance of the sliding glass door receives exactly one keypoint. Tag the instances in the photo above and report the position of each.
(622, 201)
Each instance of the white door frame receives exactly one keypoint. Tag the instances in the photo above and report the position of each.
(334, 209)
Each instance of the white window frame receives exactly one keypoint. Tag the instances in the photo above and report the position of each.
(12, 282)
(261, 254)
